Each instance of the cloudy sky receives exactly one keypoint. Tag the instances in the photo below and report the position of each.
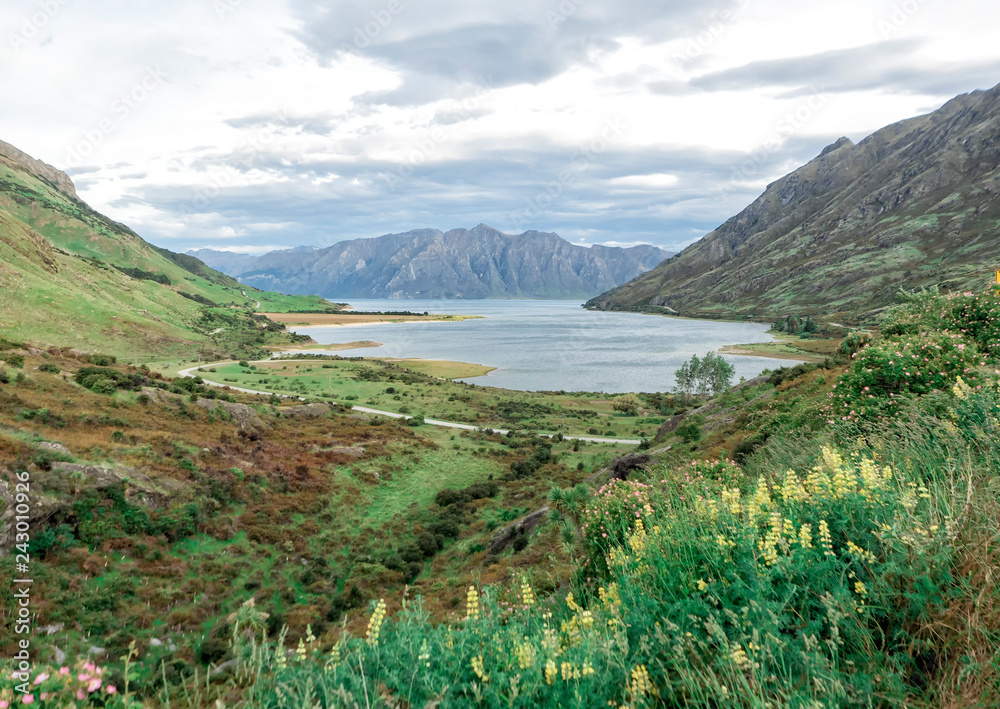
(256, 124)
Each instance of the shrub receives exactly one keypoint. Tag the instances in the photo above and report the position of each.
(627, 404)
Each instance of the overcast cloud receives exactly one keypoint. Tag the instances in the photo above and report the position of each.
(250, 125)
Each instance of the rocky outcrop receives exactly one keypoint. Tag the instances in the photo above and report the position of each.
(427, 263)
(45, 509)
(523, 526)
(308, 411)
(241, 414)
(140, 489)
(844, 232)
(39, 169)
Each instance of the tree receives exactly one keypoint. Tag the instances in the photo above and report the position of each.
(627, 404)
(710, 374)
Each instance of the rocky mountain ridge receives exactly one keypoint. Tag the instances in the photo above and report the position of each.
(428, 263)
(914, 204)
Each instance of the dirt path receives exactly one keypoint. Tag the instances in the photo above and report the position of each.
(191, 372)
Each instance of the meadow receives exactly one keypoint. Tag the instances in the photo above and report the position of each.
(423, 388)
(823, 536)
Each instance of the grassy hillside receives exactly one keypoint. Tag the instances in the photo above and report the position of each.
(913, 205)
(825, 535)
(73, 276)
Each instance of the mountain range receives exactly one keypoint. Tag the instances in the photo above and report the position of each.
(914, 204)
(427, 263)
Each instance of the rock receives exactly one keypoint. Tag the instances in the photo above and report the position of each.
(244, 417)
(309, 411)
(622, 467)
(139, 488)
(43, 508)
(525, 525)
(224, 667)
(98, 651)
(60, 655)
(52, 629)
(54, 448)
(155, 642)
(38, 168)
(355, 452)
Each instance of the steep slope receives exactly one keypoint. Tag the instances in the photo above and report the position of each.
(914, 204)
(68, 273)
(427, 263)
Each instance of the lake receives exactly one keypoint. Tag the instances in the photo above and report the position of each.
(552, 345)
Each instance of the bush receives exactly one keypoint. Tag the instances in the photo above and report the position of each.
(14, 360)
(689, 430)
(627, 404)
(49, 368)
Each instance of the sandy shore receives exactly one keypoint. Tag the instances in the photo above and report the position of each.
(306, 320)
(747, 350)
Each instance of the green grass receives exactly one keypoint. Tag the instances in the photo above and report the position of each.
(367, 383)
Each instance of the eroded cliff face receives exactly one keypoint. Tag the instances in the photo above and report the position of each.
(427, 263)
(914, 204)
(38, 168)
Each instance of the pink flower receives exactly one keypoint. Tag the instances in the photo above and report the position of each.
(28, 699)
(41, 678)
(64, 670)
(4, 704)
(94, 685)
(80, 695)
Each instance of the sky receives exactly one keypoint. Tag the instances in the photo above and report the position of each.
(252, 125)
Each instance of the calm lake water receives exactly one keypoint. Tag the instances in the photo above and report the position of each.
(552, 345)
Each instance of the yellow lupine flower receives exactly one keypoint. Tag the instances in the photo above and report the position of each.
(759, 502)
(805, 536)
(527, 595)
(731, 500)
(477, 667)
(551, 672)
(961, 390)
(826, 541)
(525, 654)
(640, 686)
(571, 602)
(375, 623)
(472, 604)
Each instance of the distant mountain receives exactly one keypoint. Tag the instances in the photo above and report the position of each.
(914, 204)
(427, 263)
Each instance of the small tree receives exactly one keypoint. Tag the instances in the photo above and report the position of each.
(627, 404)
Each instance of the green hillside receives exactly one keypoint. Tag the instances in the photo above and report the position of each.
(70, 274)
(915, 204)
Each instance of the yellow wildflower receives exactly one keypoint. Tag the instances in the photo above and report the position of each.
(375, 623)
(551, 672)
(805, 536)
(472, 604)
(525, 654)
(824, 537)
(527, 595)
(640, 686)
(961, 390)
(477, 667)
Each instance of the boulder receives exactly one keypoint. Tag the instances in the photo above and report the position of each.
(244, 417)
(524, 525)
(57, 448)
(140, 489)
(42, 509)
(308, 411)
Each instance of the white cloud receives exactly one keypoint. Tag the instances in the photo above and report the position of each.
(260, 129)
